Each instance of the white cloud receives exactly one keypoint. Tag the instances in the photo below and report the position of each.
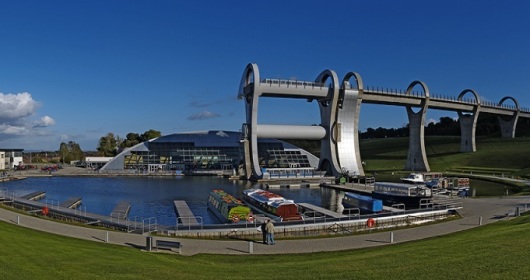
(204, 115)
(15, 112)
(432, 121)
(44, 122)
(12, 130)
(16, 106)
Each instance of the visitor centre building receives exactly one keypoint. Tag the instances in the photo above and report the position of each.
(210, 152)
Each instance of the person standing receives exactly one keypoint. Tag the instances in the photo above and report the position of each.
(270, 232)
(264, 231)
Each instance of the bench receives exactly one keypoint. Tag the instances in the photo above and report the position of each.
(169, 245)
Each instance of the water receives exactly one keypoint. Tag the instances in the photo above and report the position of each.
(149, 196)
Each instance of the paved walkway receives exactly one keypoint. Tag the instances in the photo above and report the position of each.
(486, 209)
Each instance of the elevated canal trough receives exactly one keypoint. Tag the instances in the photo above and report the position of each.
(184, 214)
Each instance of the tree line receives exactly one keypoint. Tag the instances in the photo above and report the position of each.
(109, 145)
(487, 125)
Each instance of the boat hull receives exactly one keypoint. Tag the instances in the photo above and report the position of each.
(364, 203)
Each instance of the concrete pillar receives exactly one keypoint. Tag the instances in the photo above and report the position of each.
(468, 124)
(417, 157)
(328, 111)
(508, 126)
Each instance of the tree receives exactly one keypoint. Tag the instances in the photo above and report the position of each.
(130, 140)
(150, 134)
(69, 152)
(108, 145)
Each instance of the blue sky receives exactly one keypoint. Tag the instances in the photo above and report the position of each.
(76, 70)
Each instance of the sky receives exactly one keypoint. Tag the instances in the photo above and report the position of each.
(77, 70)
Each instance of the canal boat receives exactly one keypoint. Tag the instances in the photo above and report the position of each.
(400, 193)
(413, 178)
(429, 178)
(363, 202)
(227, 208)
(272, 205)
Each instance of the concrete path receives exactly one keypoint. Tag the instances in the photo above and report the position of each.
(487, 210)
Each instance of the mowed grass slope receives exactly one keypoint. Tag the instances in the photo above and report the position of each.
(495, 251)
(493, 155)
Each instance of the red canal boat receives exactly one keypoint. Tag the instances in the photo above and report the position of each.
(272, 205)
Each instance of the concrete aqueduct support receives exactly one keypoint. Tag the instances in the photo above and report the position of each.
(468, 124)
(417, 157)
(252, 87)
(249, 129)
(328, 110)
(508, 125)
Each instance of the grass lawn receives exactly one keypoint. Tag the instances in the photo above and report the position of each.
(496, 251)
(387, 158)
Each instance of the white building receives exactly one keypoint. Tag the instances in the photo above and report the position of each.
(96, 162)
(2, 160)
(11, 158)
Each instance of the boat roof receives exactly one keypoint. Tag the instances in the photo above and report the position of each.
(359, 196)
(266, 196)
(228, 198)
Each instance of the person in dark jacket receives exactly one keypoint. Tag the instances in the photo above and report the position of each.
(264, 231)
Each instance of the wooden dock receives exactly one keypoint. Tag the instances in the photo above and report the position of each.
(363, 189)
(34, 196)
(121, 211)
(72, 203)
(321, 210)
(184, 214)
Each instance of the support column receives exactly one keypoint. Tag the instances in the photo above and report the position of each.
(468, 124)
(508, 125)
(328, 116)
(417, 157)
(249, 90)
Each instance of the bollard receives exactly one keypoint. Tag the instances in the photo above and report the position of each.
(149, 243)
(106, 237)
(18, 220)
(251, 247)
(391, 237)
(480, 220)
(517, 212)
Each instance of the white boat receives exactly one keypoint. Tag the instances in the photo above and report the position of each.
(400, 193)
(430, 179)
(413, 178)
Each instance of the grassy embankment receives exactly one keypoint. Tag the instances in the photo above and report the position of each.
(496, 251)
(494, 156)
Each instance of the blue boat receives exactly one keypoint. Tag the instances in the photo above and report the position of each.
(363, 202)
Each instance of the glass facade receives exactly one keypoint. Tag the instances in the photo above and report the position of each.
(211, 151)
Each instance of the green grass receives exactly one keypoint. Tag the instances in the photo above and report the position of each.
(496, 251)
(493, 156)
